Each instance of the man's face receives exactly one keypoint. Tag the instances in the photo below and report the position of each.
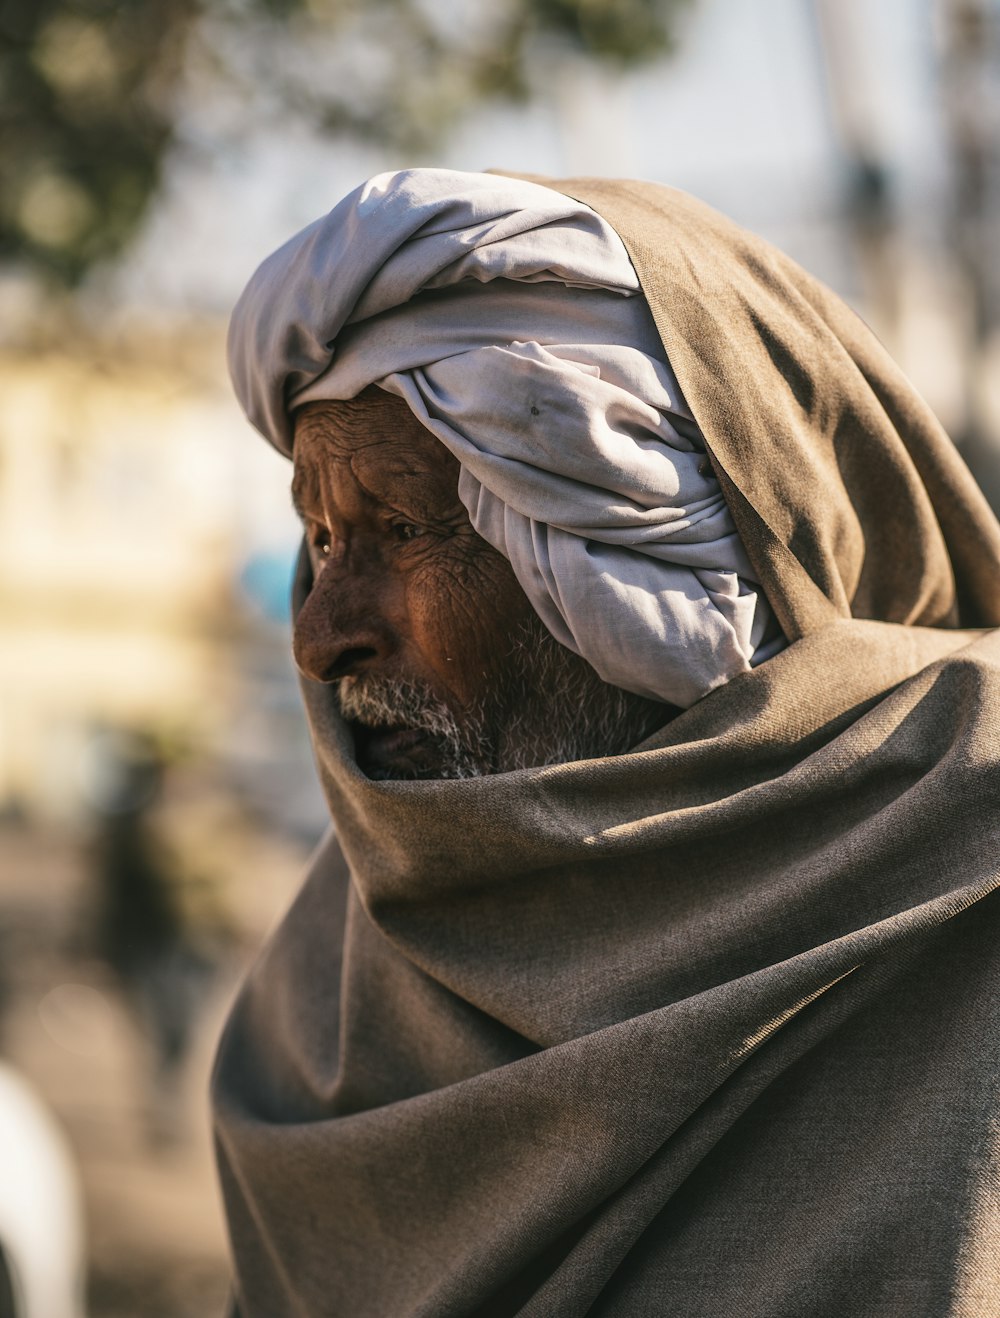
(440, 663)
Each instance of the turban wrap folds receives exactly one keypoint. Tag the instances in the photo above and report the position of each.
(510, 319)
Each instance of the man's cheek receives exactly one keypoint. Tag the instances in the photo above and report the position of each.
(460, 614)
(447, 630)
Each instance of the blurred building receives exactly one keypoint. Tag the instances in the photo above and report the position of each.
(145, 546)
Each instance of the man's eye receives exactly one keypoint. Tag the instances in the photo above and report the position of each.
(406, 530)
(321, 540)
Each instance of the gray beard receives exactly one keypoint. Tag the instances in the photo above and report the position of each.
(549, 708)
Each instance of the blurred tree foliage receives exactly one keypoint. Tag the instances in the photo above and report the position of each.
(94, 93)
(85, 119)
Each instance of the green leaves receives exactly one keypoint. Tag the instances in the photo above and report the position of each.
(85, 118)
(95, 93)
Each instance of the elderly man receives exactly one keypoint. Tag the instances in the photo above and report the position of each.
(645, 618)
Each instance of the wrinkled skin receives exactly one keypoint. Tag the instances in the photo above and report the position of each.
(406, 591)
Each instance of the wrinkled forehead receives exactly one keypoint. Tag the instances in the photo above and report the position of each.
(376, 438)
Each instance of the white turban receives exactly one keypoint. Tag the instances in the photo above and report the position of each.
(510, 319)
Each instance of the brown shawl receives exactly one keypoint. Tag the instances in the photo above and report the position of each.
(706, 1029)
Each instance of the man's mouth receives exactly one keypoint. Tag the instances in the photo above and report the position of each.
(393, 752)
(404, 730)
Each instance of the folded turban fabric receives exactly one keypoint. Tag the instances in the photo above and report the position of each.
(510, 319)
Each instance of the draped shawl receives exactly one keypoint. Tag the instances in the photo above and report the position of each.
(704, 1029)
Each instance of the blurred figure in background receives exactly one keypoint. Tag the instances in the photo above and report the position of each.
(163, 968)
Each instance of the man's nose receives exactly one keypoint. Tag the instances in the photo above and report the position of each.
(339, 629)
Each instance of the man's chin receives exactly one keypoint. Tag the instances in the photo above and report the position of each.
(384, 753)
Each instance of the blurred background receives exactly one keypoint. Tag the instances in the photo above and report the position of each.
(157, 798)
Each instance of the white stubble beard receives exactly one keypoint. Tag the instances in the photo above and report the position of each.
(550, 707)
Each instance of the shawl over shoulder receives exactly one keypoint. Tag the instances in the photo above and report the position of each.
(704, 1029)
